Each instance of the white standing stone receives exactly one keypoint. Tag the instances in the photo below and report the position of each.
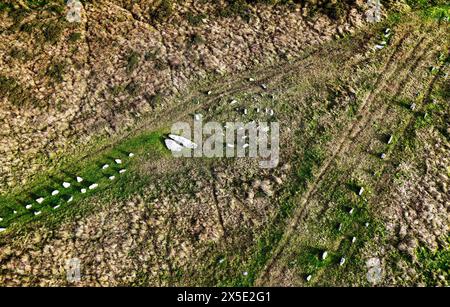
(353, 239)
(28, 207)
(361, 191)
(83, 191)
(245, 273)
(56, 207)
(173, 146)
(14, 212)
(351, 210)
(413, 106)
(263, 86)
(197, 117)
(55, 192)
(70, 199)
(245, 146)
(122, 171)
(93, 186)
(40, 200)
(391, 138)
(105, 166)
(112, 178)
(131, 155)
(341, 263)
(1, 219)
(308, 278)
(324, 255)
(230, 145)
(66, 185)
(251, 79)
(79, 179)
(2, 229)
(118, 161)
(233, 101)
(383, 156)
(37, 212)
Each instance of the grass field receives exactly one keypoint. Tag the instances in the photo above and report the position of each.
(338, 106)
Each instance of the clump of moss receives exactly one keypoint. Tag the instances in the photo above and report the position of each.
(132, 88)
(160, 64)
(236, 8)
(20, 54)
(335, 10)
(154, 100)
(162, 11)
(196, 39)
(56, 71)
(75, 36)
(15, 92)
(116, 90)
(195, 19)
(132, 61)
(52, 31)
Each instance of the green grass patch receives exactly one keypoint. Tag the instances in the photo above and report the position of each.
(435, 264)
(13, 207)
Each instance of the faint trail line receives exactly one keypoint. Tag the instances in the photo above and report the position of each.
(216, 203)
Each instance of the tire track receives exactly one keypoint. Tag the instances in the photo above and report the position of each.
(390, 70)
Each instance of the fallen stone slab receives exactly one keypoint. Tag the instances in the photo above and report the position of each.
(173, 146)
(183, 141)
